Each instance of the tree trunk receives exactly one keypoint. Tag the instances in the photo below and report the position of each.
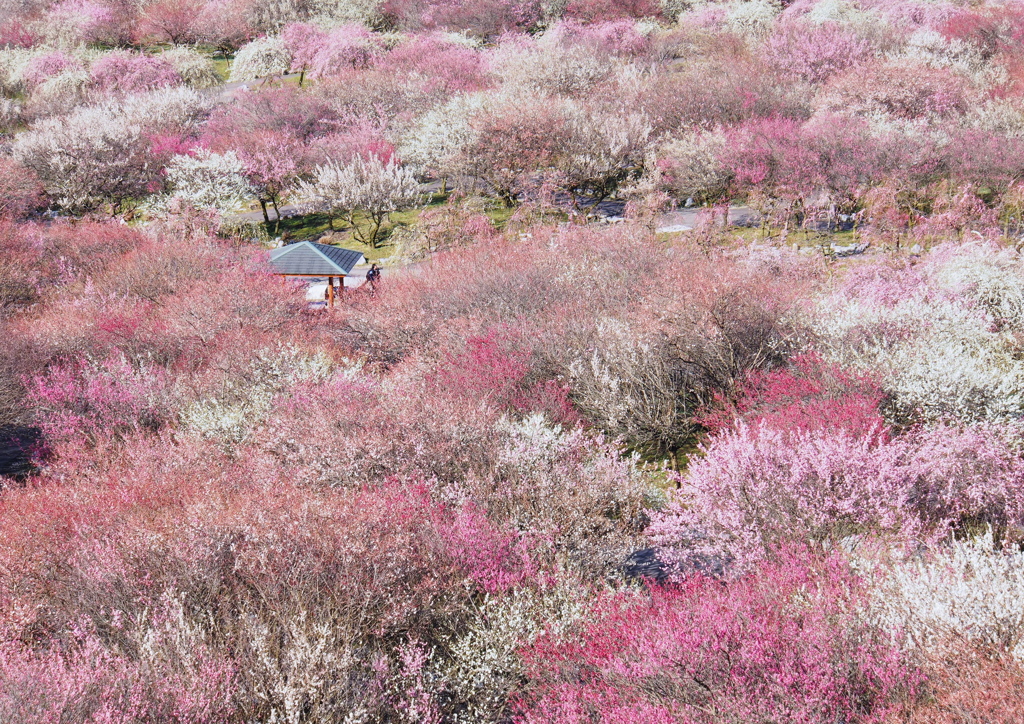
(266, 216)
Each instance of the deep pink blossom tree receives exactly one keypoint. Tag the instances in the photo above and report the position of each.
(781, 644)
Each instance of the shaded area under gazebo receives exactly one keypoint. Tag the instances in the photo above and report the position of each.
(309, 259)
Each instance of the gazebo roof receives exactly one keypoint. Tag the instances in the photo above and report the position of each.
(307, 258)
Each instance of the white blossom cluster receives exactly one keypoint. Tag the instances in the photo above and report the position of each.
(240, 406)
(437, 142)
(971, 591)
(697, 171)
(328, 12)
(262, 58)
(550, 67)
(209, 180)
(101, 153)
(948, 344)
(372, 186)
(753, 19)
(484, 664)
(196, 70)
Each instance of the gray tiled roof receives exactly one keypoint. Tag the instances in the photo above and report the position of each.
(313, 259)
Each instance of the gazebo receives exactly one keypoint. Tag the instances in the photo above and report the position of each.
(309, 259)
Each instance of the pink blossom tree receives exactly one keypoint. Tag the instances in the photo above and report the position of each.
(759, 485)
(814, 52)
(705, 652)
(272, 162)
(123, 72)
(173, 21)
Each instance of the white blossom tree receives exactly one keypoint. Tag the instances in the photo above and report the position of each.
(364, 193)
(209, 180)
(101, 154)
(944, 338)
(196, 70)
(970, 591)
(605, 149)
(691, 168)
(262, 58)
(88, 158)
(436, 145)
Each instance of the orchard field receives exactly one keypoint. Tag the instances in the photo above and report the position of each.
(692, 391)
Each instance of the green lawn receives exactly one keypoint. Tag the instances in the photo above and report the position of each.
(223, 66)
(801, 237)
(312, 226)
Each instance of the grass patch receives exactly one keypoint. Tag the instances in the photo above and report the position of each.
(223, 67)
(499, 215)
(801, 237)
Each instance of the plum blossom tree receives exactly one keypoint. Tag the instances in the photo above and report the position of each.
(597, 11)
(516, 136)
(968, 591)
(71, 23)
(782, 644)
(262, 58)
(172, 21)
(271, 160)
(605, 149)
(89, 158)
(124, 72)
(480, 18)
(367, 189)
(565, 68)
(209, 180)
(102, 154)
(896, 90)
(758, 486)
(437, 144)
(323, 53)
(41, 68)
(195, 70)
(814, 51)
(445, 64)
(20, 189)
(960, 364)
(225, 24)
(691, 167)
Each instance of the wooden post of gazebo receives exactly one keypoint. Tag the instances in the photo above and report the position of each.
(330, 291)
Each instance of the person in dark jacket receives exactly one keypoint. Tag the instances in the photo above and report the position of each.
(372, 276)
